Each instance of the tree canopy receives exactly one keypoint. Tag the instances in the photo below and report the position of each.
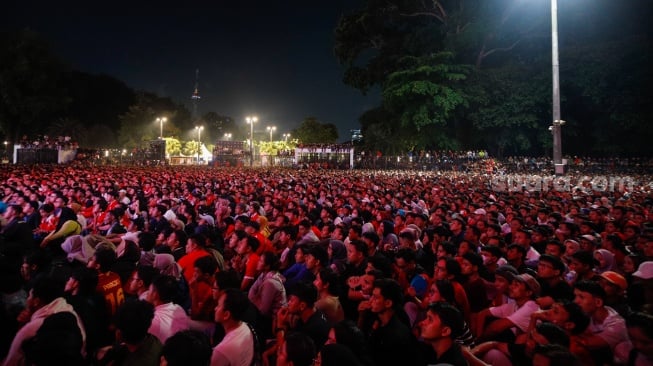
(311, 131)
(477, 74)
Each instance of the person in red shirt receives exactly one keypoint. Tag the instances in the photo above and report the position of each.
(265, 245)
(194, 250)
(109, 283)
(49, 220)
(202, 302)
(247, 250)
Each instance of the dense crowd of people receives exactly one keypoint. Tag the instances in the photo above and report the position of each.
(119, 265)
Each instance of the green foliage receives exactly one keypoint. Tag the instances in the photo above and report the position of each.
(173, 146)
(190, 148)
(133, 128)
(510, 105)
(427, 92)
(139, 123)
(311, 131)
(420, 55)
(274, 147)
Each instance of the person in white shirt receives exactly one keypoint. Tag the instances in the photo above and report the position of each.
(523, 238)
(516, 315)
(45, 298)
(169, 318)
(237, 348)
(607, 328)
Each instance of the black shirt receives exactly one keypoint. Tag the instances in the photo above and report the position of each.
(394, 344)
(453, 356)
(560, 291)
(315, 327)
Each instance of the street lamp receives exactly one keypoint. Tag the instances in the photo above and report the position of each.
(557, 121)
(161, 120)
(251, 121)
(227, 136)
(271, 129)
(199, 142)
(285, 137)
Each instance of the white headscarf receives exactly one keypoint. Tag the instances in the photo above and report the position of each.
(166, 265)
(77, 248)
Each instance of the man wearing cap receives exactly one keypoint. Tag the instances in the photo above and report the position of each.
(516, 315)
(480, 214)
(206, 220)
(571, 247)
(503, 276)
(644, 271)
(457, 228)
(554, 288)
(607, 328)
(539, 238)
(588, 243)
(122, 197)
(442, 325)
(615, 286)
(421, 220)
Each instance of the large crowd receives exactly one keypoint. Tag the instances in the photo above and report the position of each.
(202, 266)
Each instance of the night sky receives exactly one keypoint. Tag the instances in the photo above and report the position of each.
(270, 59)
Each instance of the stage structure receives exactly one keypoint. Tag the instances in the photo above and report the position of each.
(229, 153)
(325, 155)
(32, 155)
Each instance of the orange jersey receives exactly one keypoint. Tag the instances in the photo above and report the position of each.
(110, 287)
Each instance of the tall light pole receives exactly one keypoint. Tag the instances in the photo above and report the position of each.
(285, 137)
(161, 120)
(199, 142)
(271, 129)
(227, 136)
(556, 128)
(251, 121)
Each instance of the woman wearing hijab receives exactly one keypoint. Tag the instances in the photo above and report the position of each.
(337, 255)
(166, 265)
(77, 249)
(387, 234)
(605, 260)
